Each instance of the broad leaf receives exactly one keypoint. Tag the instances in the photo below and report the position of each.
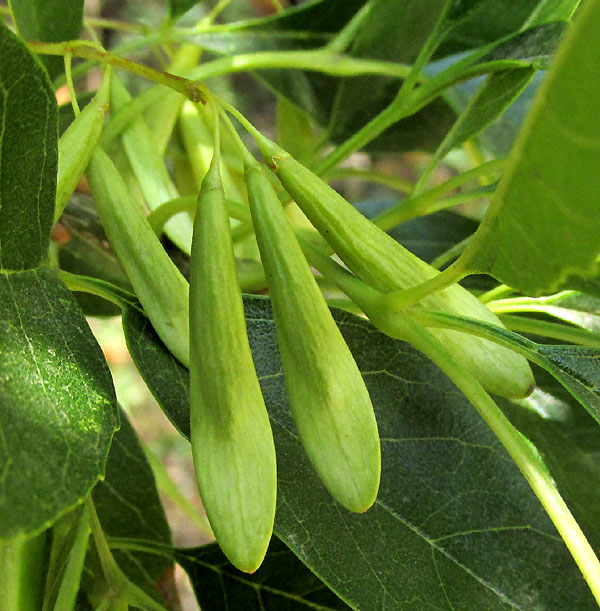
(543, 223)
(28, 160)
(282, 582)
(48, 21)
(455, 524)
(574, 471)
(129, 507)
(58, 411)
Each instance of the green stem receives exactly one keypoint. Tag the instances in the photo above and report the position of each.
(400, 107)
(68, 75)
(564, 333)
(81, 48)
(121, 589)
(131, 111)
(131, 45)
(393, 182)
(22, 574)
(528, 463)
(508, 305)
(452, 253)
(400, 300)
(71, 578)
(343, 39)
(425, 203)
(502, 290)
(101, 288)
(316, 61)
(169, 488)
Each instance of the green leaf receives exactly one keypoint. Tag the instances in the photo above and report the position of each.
(476, 23)
(28, 141)
(58, 405)
(48, 21)
(167, 379)
(455, 524)
(179, 7)
(553, 10)
(129, 506)
(393, 31)
(543, 223)
(575, 472)
(281, 582)
(494, 96)
(577, 368)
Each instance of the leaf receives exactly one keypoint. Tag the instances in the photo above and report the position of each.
(476, 23)
(129, 506)
(553, 10)
(577, 368)
(58, 404)
(179, 7)
(455, 524)
(48, 21)
(28, 141)
(282, 582)
(393, 31)
(494, 96)
(543, 224)
(575, 472)
(167, 379)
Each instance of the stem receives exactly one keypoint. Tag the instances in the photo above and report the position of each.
(81, 48)
(550, 329)
(393, 182)
(452, 253)
(110, 569)
(216, 10)
(68, 57)
(101, 288)
(71, 578)
(425, 203)
(315, 60)
(343, 39)
(168, 487)
(528, 463)
(502, 290)
(119, 585)
(399, 108)
(131, 111)
(22, 574)
(400, 300)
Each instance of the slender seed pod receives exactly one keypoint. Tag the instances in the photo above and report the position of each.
(328, 397)
(77, 144)
(232, 442)
(150, 170)
(157, 282)
(380, 261)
